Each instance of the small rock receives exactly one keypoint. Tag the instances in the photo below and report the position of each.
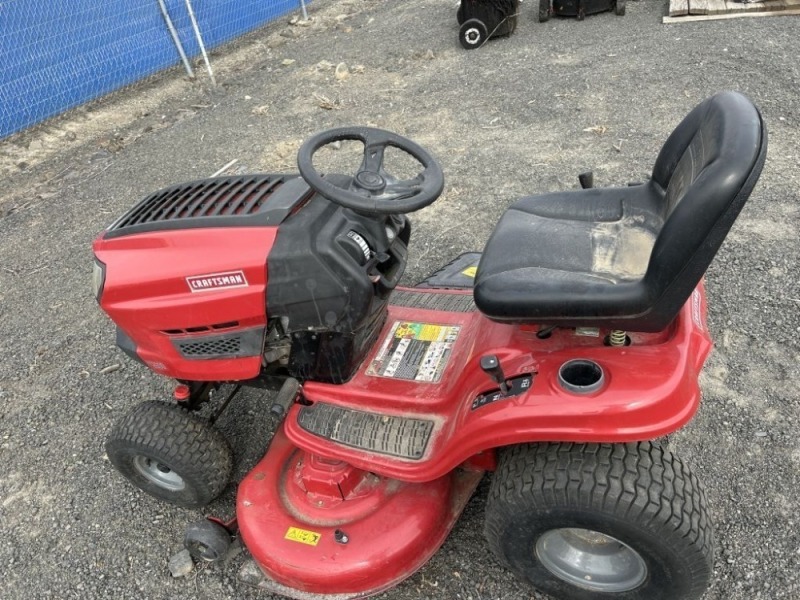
(22, 165)
(288, 33)
(275, 42)
(305, 22)
(761, 434)
(261, 110)
(342, 72)
(286, 62)
(324, 65)
(337, 145)
(248, 97)
(180, 565)
(429, 55)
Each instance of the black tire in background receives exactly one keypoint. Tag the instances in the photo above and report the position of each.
(600, 521)
(171, 454)
(473, 34)
(544, 10)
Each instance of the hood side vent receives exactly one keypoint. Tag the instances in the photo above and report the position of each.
(249, 200)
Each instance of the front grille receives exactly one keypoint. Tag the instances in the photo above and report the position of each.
(383, 434)
(238, 344)
(221, 347)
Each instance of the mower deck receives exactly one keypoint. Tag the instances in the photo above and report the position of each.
(319, 528)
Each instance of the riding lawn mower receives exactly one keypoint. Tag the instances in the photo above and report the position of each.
(554, 362)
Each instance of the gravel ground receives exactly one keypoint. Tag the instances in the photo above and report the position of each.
(519, 116)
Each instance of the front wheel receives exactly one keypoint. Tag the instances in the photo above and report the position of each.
(170, 454)
(600, 521)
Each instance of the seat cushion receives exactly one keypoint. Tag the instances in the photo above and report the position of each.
(576, 257)
(628, 258)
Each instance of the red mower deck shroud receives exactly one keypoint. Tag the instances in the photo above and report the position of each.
(395, 511)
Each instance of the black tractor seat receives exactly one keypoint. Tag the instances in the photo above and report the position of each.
(627, 258)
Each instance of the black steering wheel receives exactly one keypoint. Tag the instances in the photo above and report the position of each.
(373, 191)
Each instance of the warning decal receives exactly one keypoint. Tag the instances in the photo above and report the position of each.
(415, 352)
(470, 271)
(303, 536)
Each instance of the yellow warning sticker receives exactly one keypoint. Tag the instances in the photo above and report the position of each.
(303, 536)
(470, 271)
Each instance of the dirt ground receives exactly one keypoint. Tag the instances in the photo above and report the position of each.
(519, 116)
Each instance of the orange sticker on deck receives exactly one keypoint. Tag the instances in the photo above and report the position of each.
(303, 536)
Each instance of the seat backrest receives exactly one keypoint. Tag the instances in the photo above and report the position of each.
(706, 171)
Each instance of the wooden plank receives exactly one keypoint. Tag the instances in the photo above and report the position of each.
(698, 7)
(678, 8)
(694, 18)
(717, 7)
(746, 6)
(763, 6)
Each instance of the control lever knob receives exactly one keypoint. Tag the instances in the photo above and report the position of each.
(490, 365)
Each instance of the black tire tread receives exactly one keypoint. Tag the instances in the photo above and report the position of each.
(544, 11)
(630, 481)
(182, 439)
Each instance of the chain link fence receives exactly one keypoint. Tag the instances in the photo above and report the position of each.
(57, 54)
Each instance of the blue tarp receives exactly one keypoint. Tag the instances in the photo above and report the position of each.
(57, 54)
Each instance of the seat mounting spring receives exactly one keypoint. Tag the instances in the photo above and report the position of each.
(617, 337)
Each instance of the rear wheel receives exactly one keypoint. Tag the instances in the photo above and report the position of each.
(170, 454)
(600, 521)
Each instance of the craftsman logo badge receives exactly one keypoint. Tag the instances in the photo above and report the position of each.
(217, 281)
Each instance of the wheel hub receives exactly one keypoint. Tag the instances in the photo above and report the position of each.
(472, 35)
(158, 473)
(591, 560)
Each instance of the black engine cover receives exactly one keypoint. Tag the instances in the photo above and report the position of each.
(330, 272)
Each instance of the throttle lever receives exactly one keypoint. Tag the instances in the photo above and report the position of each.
(491, 366)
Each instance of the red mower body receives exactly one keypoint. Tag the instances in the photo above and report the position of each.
(586, 323)
(167, 297)
(290, 512)
(649, 390)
